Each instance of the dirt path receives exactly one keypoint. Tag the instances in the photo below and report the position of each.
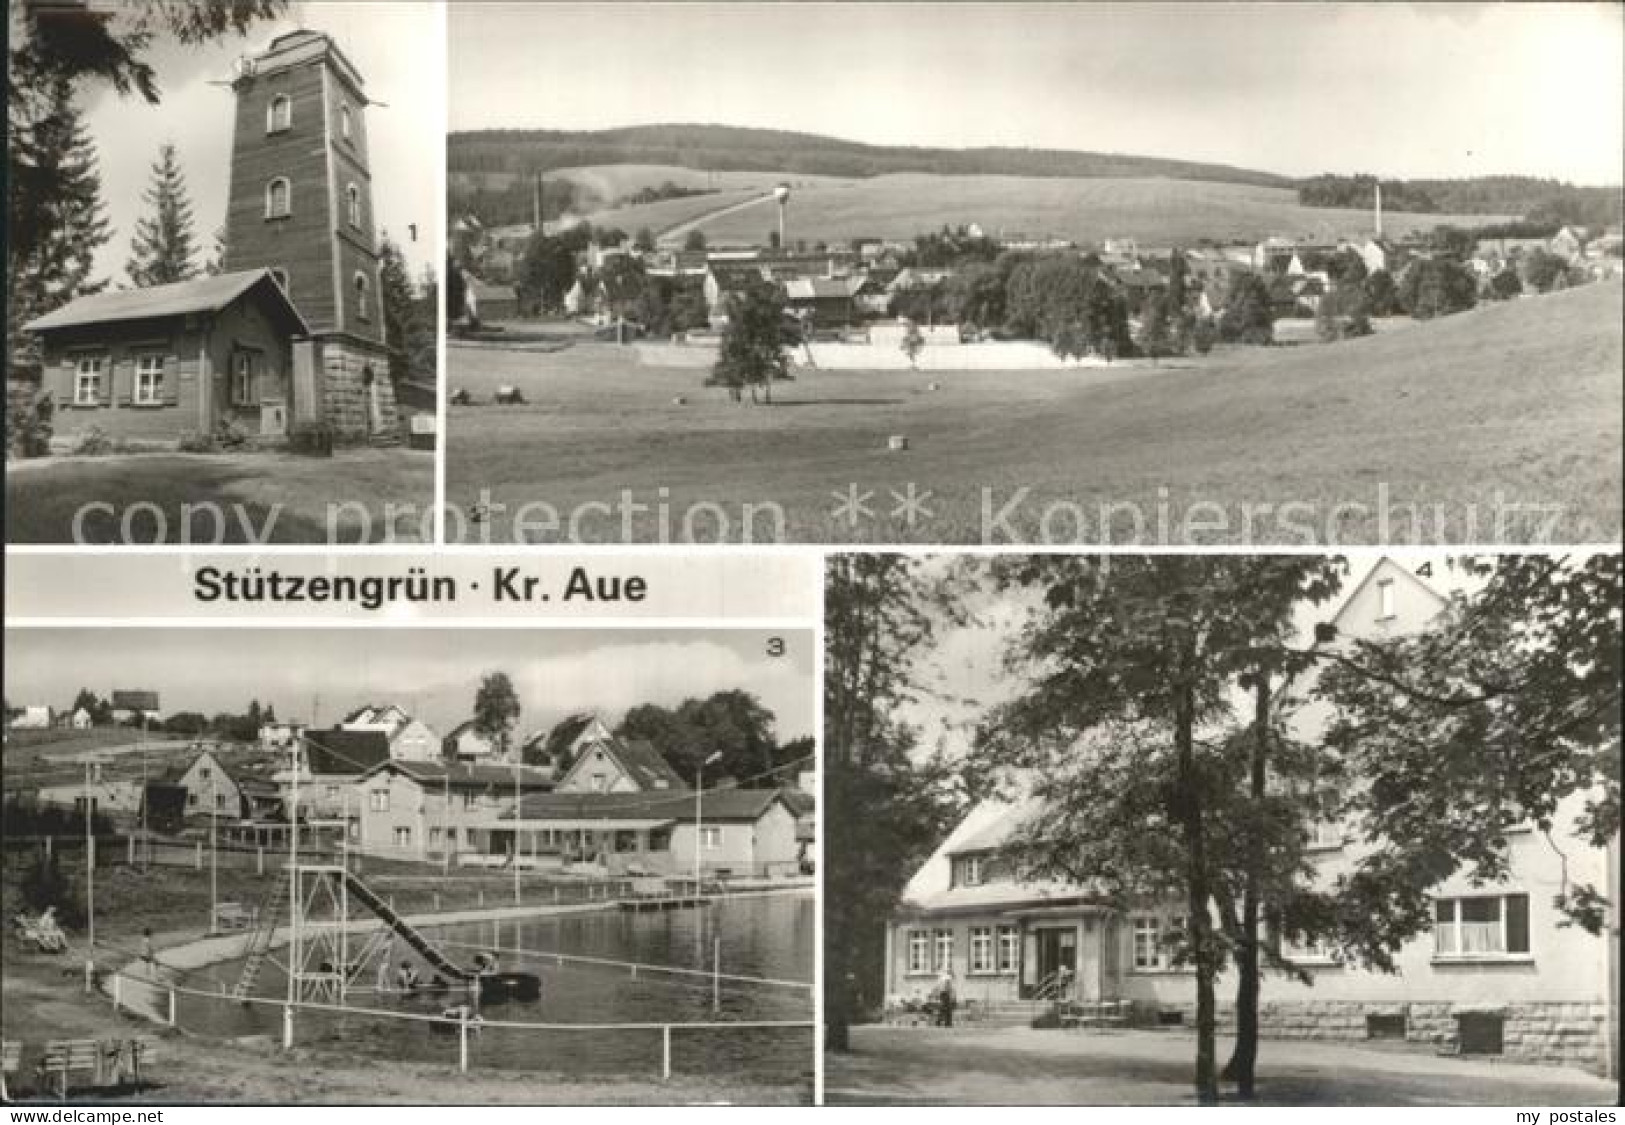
(675, 233)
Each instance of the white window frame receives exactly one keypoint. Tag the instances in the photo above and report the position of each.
(1009, 949)
(88, 372)
(272, 211)
(352, 205)
(149, 380)
(245, 377)
(345, 125)
(1385, 599)
(272, 124)
(982, 950)
(710, 837)
(1450, 938)
(403, 835)
(919, 952)
(1147, 934)
(378, 800)
(361, 286)
(970, 871)
(942, 950)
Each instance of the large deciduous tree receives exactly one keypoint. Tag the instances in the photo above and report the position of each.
(754, 351)
(889, 806)
(496, 710)
(162, 251)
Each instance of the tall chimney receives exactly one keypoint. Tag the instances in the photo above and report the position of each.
(536, 206)
(1379, 208)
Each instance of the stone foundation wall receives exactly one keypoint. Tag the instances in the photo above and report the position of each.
(1566, 1034)
(347, 401)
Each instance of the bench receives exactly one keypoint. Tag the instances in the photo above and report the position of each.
(64, 1056)
(11, 1061)
(1095, 1013)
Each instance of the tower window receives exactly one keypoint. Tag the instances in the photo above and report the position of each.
(279, 114)
(278, 198)
(344, 121)
(353, 197)
(361, 309)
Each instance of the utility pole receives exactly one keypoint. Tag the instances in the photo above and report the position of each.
(214, 846)
(90, 863)
(699, 788)
(516, 816)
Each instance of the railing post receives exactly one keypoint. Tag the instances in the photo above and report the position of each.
(197, 856)
(259, 860)
(48, 847)
(665, 1051)
(171, 1007)
(90, 976)
(716, 974)
(287, 1027)
(129, 850)
(118, 991)
(462, 1040)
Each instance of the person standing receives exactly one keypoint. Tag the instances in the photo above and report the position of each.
(945, 999)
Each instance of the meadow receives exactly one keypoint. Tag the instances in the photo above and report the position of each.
(1498, 425)
(1155, 211)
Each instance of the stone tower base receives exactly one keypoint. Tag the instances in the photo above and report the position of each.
(357, 399)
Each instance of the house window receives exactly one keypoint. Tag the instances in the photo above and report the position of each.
(710, 837)
(1481, 926)
(403, 836)
(970, 871)
(278, 198)
(279, 114)
(434, 837)
(332, 792)
(361, 309)
(599, 782)
(352, 199)
(1385, 599)
(378, 800)
(87, 380)
(942, 945)
(244, 377)
(1009, 949)
(981, 949)
(149, 380)
(191, 800)
(1326, 830)
(1152, 939)
(919, 951)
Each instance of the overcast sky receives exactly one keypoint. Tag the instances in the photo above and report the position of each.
(1428, 90)
(431, 672)
(398, 49)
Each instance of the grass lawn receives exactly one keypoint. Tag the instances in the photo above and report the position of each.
(1021, 1066)
(1432, 434)
(264, 498)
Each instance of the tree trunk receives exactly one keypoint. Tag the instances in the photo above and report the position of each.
(1200, 922)
(1244, 1059)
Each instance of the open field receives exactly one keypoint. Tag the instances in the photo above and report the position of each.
(1158, 212)
(1431, 434)
(264, 497)
(1020, 1066)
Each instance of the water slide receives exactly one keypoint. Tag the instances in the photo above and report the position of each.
(409, 933)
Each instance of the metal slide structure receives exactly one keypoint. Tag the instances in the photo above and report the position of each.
(407, 932)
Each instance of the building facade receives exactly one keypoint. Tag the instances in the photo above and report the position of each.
(1499, 973)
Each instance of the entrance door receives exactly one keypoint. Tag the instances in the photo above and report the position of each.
(1057, 950)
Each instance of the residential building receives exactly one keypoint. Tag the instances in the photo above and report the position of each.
(602, 763)
(1500, 970)
(329, 763)
(736, 832)
(449, 811)
(466, 744)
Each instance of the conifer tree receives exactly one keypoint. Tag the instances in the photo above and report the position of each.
(161, 252)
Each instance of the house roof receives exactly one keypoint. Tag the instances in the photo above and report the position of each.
(345, 751)
(815, 288)
(564, 733)
(728, 805)
(203, 294)
(470, 777)
(639, 760)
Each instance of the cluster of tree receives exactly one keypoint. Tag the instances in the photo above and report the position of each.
(1433, 287)
(667, 190)
(720, 147)
(668, 305)
(55, 218)
(514, 201)
(409, 319)
(244, 727)
(1157, 734)
(893, 804)
(1543, 203)
(731, 723)
(754, 353)
(547, 269)
(954, 246)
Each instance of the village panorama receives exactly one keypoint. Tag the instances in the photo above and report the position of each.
(423, 866)
(752, 313)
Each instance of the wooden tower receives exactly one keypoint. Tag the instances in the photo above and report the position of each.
(300, 204)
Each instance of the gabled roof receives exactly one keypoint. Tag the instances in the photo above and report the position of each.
(201, 295)
(725, 805)
(345, 752)
(467, 777)
(814, 288)
(639, 760)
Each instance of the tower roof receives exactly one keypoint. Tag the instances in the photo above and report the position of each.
(298, 48)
